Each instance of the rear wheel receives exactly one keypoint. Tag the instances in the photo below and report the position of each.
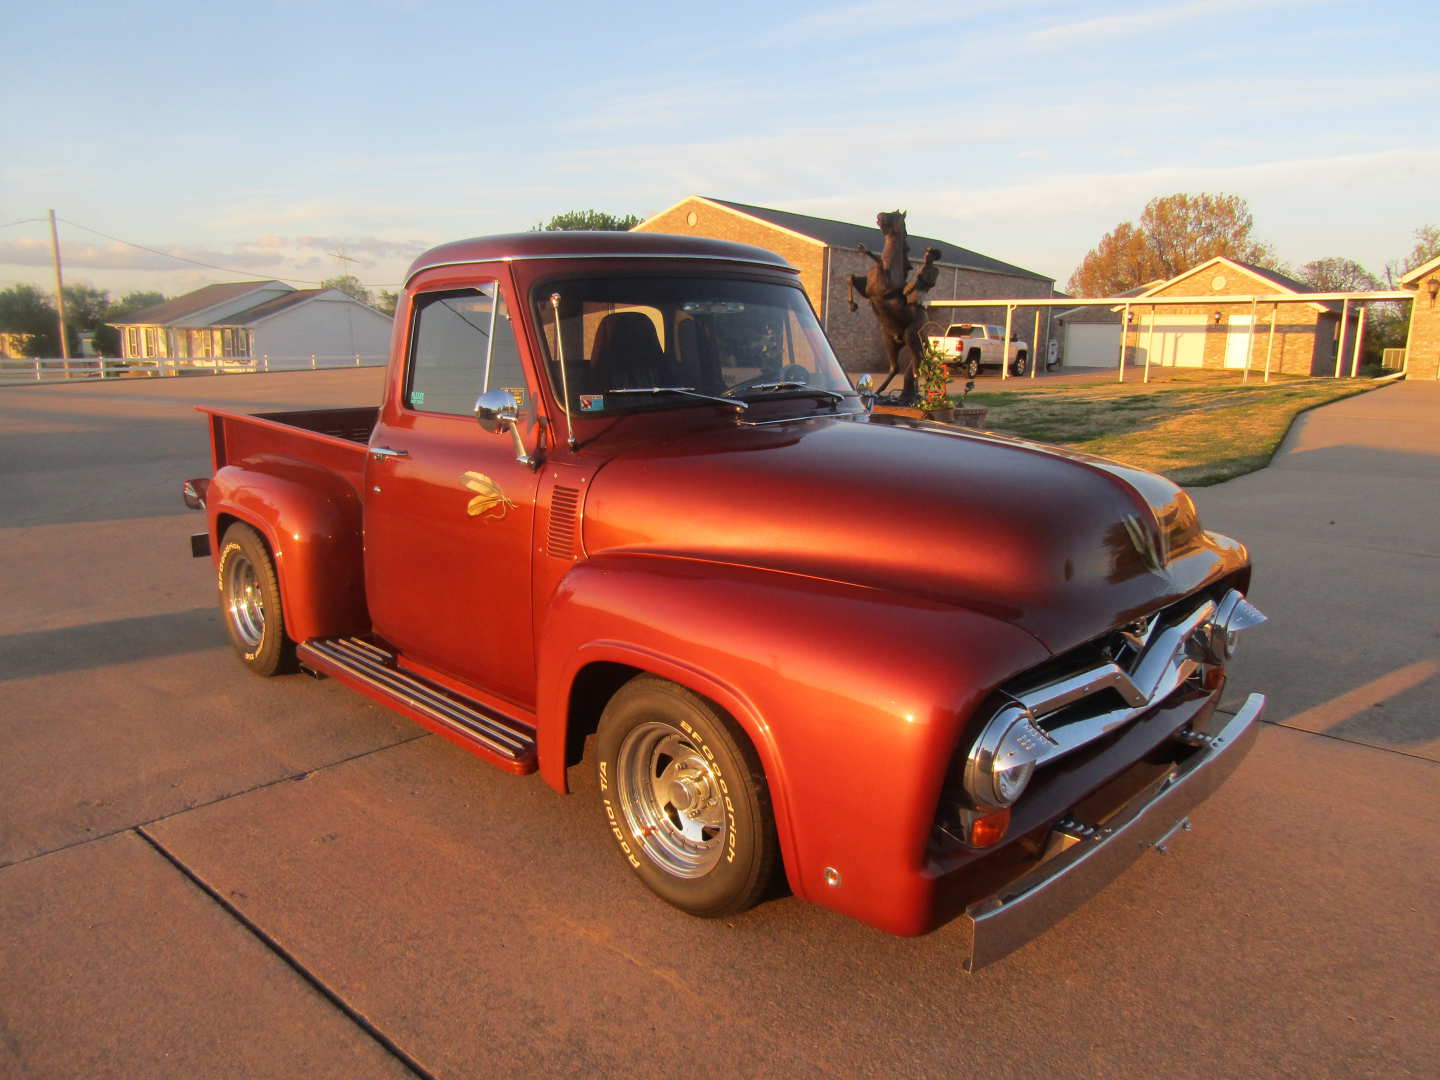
(1021, 365)
(250, 602)
(971, 367)
(685, 798)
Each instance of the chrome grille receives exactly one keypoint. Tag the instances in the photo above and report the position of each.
(1139, 666)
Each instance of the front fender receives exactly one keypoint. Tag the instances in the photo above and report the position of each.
(312, 524)
(854, 699)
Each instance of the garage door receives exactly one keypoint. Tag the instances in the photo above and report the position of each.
(1092, 344)
(1178, 341)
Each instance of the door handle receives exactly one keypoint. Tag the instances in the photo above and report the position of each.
(380, 453)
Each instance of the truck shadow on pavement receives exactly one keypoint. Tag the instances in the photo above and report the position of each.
(93, 645)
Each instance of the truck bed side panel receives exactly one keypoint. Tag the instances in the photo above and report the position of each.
(301, 489)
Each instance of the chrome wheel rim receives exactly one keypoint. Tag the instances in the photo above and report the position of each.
(244, 603)
(670, 795)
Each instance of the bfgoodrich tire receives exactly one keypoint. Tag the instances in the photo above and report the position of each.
(250, 602)
(684, 798)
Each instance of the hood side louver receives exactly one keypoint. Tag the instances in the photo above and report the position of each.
(563, 536)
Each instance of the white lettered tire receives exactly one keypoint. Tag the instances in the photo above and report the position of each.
(684, 798)
(250, 602)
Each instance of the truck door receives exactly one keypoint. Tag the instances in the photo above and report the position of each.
(449, 510)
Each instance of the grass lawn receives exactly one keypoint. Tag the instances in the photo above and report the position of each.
(1194, 427)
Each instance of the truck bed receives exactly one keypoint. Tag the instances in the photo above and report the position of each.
(333, 439)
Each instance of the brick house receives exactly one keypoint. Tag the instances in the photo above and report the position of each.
(824, 252)
(1210, 335)
(1422, 348)
(244, 321)
(1218, 335)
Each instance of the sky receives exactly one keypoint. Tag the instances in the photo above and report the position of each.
(305, 139)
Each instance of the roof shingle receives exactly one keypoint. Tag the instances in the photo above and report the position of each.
(180, 306)
(842, 234)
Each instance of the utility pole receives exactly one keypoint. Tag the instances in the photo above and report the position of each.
(59, 293)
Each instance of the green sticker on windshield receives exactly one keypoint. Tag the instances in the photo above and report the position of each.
(417, 397)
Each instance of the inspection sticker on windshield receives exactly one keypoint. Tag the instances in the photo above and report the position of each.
(592, 402)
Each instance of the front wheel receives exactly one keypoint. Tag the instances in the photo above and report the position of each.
(685, 798)
(250, 602)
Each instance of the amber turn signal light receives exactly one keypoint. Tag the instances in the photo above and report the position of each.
(989, 829)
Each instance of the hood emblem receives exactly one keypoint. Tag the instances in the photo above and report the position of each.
(489, 499)
(1155, 555)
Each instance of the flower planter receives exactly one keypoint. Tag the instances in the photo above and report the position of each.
(971, 416)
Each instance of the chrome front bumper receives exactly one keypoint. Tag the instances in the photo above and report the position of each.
(1088, 859)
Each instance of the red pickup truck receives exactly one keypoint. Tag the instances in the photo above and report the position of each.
(620, 487)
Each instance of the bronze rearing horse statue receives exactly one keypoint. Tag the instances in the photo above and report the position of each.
(898, 304)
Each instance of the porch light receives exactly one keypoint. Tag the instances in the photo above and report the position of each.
(1432, 286)
(1219, 317)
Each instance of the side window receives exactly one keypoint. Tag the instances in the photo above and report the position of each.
(462, 344)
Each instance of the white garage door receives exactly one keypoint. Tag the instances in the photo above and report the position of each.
(1178, 341)
(1092, 345)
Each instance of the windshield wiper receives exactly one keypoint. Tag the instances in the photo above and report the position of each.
(792, 385)
(683, 391)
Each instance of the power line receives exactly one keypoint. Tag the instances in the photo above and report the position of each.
(181, 258)
(21, 221)
(197, 262)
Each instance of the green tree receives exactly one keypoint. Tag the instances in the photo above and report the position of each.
(1175, 233)
(348, 284)
(85, 306)
(386, 301)
(599, 220)
(24, 309)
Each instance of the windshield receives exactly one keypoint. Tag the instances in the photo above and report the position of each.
(741, 340)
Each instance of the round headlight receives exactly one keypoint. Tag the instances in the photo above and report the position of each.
(1233, 615)
(1002, 761)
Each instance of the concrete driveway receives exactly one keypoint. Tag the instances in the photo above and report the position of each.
(203, 873)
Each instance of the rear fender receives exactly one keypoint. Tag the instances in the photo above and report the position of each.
(311, 520)
(853, 698)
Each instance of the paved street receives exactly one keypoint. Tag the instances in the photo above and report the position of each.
(207, 874)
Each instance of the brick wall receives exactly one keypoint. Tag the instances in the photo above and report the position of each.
(1423, 345)
(1303, 341)
(807, 256)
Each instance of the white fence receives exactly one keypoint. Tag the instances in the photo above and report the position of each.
(84, 368)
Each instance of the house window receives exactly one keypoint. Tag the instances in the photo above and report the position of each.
(228, 336)
(150, 347)
(132, 341)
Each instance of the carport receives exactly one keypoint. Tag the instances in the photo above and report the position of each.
(1152, 333)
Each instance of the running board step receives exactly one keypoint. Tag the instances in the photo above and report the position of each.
(372, 670)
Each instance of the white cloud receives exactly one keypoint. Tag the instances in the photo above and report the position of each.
(1104, 27)
(879, 17)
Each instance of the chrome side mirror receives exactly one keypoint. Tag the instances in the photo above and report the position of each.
(866, 388)
(496, 410)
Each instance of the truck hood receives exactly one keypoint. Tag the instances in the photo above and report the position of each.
(1062, 545)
